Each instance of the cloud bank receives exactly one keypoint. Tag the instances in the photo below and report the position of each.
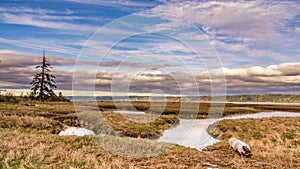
(17, 72)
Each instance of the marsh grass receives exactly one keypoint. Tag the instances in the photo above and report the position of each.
(275, 142)
(52, 117)
(137, 129)
(131, 147)
(41, 150)
(186, 110)
(28, 138)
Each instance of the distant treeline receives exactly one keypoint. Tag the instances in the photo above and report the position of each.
(286, 98)
(280, 98)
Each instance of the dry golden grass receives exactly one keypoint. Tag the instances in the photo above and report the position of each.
(28, 139)
(203, 108)
(133, 126)
(40, 150)
(48, 117)
(275, 142)
(31, 123)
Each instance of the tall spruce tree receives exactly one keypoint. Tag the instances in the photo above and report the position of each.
(43, 82)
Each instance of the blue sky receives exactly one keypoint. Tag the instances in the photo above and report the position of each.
(252, 46)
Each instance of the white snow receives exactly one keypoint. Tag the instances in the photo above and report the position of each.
(129, 112)
(74, 131)
(193, 132)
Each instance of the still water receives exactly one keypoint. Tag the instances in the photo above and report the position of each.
(193, 133)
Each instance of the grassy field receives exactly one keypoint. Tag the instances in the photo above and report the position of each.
(203, 108)
(275, 142)
(29, 138)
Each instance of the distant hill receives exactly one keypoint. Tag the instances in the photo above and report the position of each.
(278, 98)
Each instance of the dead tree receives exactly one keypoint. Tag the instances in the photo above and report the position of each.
(242, 148)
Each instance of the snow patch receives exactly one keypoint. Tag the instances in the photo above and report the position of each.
(74, 131)
(129, 112)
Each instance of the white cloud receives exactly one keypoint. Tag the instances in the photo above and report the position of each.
(242, 31)
(166, 26)
(253, 19)
(61, 46)
(284, 69)
(33, 20)
(47, 14)
(33, 10)
(116, 3)
(7, 52)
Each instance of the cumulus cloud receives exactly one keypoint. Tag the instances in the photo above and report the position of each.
(12, 59)
(17, 72)
(16, 78)
(284, 69)
(283, 77)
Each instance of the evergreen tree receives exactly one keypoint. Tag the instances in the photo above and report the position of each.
(43, 82)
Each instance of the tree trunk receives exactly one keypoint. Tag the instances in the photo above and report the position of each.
(43, 78)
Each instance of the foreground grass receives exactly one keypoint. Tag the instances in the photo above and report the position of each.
(29, 139)
(41, 150)
(277, 147)
(275, 142)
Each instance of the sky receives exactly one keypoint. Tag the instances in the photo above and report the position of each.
(164, 46)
